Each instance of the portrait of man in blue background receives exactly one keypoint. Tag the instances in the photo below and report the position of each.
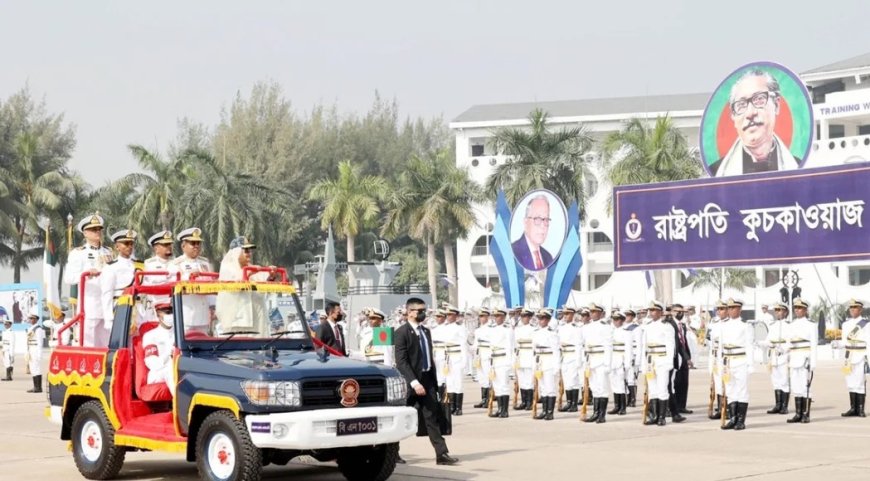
(529, 247)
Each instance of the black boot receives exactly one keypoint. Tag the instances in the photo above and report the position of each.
(777, 395)
(632, 396)
(570, 403)
(594, 417)
(853, 401)
(799, 406)
(859, 404)
(504, 411)
(551, 406)
(531, 399)
(732, 416)
(457, 399)
(805, 419)
(717, 413)
(522, 404)
(662, 412)
(616, 404)
(784, 406)
(484, 398)
(623, 404)
(542, 413)
(675, 410)
(37, 384)
(651, 412)
(602, 410)
(496, 402)
(8, 375)
(740, 425)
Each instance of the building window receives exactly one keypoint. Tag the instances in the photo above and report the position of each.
(685, 281)
(859, 275)
(864, 129)
(590, 185)
(481, 246)
(599, 242)
(598, 280)
(771, 277)
(477, 150)
(835, 131)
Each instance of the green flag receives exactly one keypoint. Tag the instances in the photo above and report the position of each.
(382, 336)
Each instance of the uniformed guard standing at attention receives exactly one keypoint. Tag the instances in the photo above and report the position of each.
(376, 354)
(598, 349)
(89, 258)
(571, 343)
(117, 275)
(525, 363)
(35, 340)
(855, 339)
(620, 364)
(545, 343)
(657, 357)
(803, 341)
(736, 341)
(8, 348)
(439, 350)
(195, 310)
(483, 357)
(714, 358)
(635, 332)
(501, 340)
(456, 339)
(777, 335)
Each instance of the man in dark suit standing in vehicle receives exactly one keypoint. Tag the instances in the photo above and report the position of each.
(330, 331)
(413, 344)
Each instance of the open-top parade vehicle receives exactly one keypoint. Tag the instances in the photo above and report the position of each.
(245, 395)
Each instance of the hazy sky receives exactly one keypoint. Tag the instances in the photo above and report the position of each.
(124, 73)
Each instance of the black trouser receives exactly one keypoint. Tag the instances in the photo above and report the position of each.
(681, 385)
(431, 409)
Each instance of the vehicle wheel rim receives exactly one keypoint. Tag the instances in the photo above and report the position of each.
(91, 441)
(221, 455)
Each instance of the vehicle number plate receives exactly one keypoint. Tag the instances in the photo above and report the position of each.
(347, 427)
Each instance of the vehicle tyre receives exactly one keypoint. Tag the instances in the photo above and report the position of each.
(93, 443)
(224, 450)
(368, 463)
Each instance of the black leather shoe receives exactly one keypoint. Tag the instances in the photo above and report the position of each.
(401, 460)
(686, 411)
(445, 459)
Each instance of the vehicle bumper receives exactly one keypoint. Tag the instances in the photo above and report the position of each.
(307, 430)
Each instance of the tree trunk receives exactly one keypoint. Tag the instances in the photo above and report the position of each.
(450, 262)
(351, 246)
(430, 264)
(16, 259)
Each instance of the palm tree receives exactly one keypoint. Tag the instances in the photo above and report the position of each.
(227, 203)
(640, 154)
(34, 184)
(721, 279)
(350, 202)
(434, 206)
(540, 158)
(155, 191)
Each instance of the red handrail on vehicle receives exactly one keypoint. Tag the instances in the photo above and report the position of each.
(250, 270)
(80, 317)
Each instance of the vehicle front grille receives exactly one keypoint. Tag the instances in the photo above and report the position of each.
(324, 393)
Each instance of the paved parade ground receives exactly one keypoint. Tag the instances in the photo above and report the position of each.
(519, 448)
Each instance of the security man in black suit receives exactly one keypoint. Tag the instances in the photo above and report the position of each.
(681, 358)
(414, 359)
(330, 332)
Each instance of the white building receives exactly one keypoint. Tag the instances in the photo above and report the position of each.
(841, 99)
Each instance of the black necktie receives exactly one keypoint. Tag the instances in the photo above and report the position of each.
(424, 348)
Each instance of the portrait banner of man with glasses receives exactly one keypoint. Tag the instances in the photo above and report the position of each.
(538, 227)
(759, 119)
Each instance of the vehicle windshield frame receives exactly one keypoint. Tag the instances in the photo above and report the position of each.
(186, 288)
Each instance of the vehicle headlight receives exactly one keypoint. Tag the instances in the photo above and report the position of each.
(281, 393)
(397, 389)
